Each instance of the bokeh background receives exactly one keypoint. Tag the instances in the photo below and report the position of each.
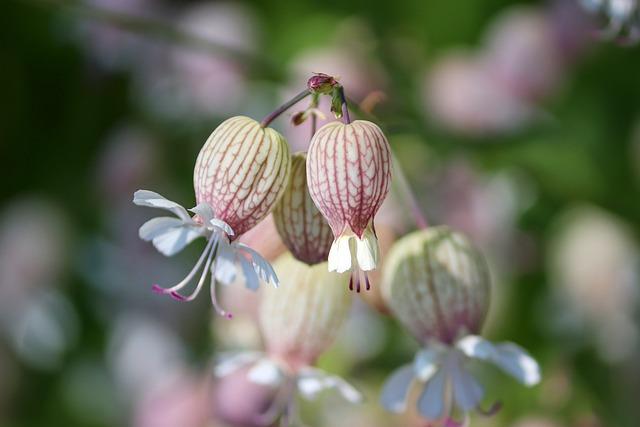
(512, 121)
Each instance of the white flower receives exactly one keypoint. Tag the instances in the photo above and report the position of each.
(441, 371)
(307, 381)
(220, 256)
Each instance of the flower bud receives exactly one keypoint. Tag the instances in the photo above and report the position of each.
(349, 172)
(437, 284)
(301, 225)
(241, 172)
(321, 83)
(301, 318)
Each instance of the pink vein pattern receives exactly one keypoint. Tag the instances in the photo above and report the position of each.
(300, 224)
(241, 172)
(349, 173)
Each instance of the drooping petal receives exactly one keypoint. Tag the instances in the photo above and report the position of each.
(218, 223)
(251, 278)
(266, 372)
(157, 226)
(340, 255)
(426, 363)
(509, 357)
(224, 269)
(396, 389)
(261, 266)
(367, 250)
(431, 402)
(311, 382)
(155, 200)
(175, 239)
(204, 211)
(231, 362)
(467, 392)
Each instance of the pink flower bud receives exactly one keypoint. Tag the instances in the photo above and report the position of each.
(349, 172)
(302, 227)
(301, 318)
(437, 284)
(241, 172)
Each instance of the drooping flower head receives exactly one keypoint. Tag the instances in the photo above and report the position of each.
(300, 224)
(349, 173)
(241, 171)
(299, 321)
(238, 177)
(436, 283)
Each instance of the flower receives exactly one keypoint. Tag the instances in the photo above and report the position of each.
(220, 256)
(446, 382)
(299, 322)
(241, 172)
(302, 227)
(436, 283)
(349, 173)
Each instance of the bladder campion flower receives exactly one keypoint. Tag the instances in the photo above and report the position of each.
(239, 175)
(437, 285)
(299, 321)
(349, 172)
(302, 227)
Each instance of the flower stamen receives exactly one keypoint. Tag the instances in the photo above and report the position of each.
(184, 282)
(175, 295)
(214, 301)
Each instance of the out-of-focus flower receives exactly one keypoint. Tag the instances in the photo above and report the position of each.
(143, 355)
(239, 175)
(463, 96)
(113, 48)
(299, 321)
(437, 285)
(185, 402)
(522, 53)
(197, 83)
(623, 18)
(38, 321)
(595, 265)
(349, 174)
(300, 224)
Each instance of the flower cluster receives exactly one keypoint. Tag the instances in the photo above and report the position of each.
(323, 204)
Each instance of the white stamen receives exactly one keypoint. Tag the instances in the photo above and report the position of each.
(192, 273)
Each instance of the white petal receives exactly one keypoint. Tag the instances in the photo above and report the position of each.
(509, 357)
(431, 401)
(266, 372)
(174, 240)
(224, 269)
(313, 381)
(396, 389)
(340, 255)
(426, 364)
(251, 279)
(204, 211)
(467, 392)
(218, 223)
(261, 266)
(157, 226)
(367, 251)
(229, 363)
(155, 200)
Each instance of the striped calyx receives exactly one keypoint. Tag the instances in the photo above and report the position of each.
(301, 225)
(301, 318)
(437, 285)
(241, 172)
(349, 173)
